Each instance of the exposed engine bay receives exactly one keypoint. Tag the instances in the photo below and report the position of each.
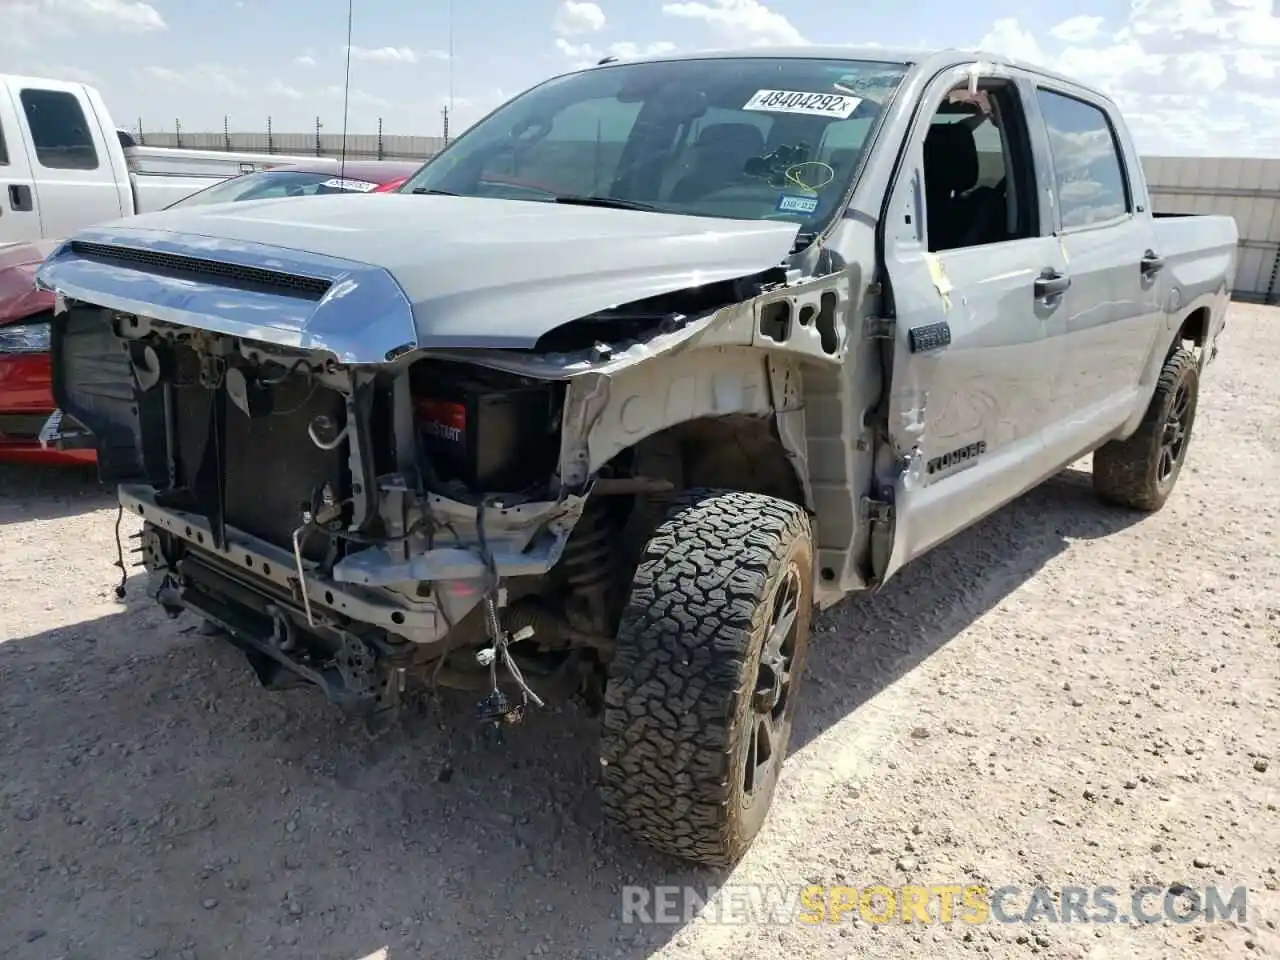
(364, 528)
(327, 519)
(368, 489)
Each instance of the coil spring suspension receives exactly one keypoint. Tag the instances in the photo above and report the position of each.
(588, 566)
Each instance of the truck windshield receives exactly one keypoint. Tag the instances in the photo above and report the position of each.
(745, 138)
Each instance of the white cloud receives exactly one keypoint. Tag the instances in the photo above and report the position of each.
(1191, 76)
(1008, 38)
(1109, 67)
(574, 18)
(355, 97)
(739, 23)
(582, 54)
(206, 79)
(275, 88)
(394, 54)
(305, 59)
(571, 49)
(1077, 29)
(125, 16)
(627, 50)
(1200, 71)
(64, 71)
(1256, 65)
(31, 23)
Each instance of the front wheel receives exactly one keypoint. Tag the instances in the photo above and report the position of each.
(702, 690)
(1140, 472)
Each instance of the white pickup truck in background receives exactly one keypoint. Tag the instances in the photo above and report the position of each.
(65, 165)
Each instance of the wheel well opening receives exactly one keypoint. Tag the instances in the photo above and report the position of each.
(736, 452)
(1194, 328)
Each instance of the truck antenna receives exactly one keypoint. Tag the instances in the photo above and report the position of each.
(346, 97)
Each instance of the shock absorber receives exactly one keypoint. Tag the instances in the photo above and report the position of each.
(588, 568)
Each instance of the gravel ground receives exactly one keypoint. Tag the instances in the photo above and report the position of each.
(1063, 695)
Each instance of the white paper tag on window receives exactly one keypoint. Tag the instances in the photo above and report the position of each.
(360, 186)
(837, 105)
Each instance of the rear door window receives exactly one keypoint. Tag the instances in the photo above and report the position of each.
(59, 130)
(1088, 172)
(4, 151)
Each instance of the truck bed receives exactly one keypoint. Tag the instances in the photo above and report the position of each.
(1199, 251)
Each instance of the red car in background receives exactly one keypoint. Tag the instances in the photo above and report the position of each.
(29, 430)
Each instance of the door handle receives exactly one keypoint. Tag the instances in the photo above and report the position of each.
(20, 198)
(1151, 263)
(1051, 283)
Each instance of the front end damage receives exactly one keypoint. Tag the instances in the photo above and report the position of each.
(446, 515)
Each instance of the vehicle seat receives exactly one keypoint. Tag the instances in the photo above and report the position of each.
(961, 214)
(719, 156)
(950, 168)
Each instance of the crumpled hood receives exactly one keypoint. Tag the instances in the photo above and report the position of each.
(392, 271)
(19, 297)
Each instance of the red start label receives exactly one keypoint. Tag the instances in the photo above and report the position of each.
(442, 419)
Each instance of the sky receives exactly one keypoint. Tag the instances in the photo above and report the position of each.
(1193, 77)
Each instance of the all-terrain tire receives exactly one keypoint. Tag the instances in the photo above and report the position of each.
(685, 699)
(1140, 472)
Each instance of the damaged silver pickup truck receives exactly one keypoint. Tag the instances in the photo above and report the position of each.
(644, 368)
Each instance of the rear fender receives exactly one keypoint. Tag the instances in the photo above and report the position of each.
(94, 380)
(1167, 338)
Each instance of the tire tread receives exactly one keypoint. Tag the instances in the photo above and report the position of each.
(684, 642)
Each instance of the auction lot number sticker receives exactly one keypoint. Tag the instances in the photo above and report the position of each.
(799, 101)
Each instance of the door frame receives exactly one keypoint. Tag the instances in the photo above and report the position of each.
(901, 239)
(65, 186)
(21, 168)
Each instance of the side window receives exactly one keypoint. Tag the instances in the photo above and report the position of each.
(4, 151)
(978, 188)
(1089, 174)
(583, 145)
(59, 130)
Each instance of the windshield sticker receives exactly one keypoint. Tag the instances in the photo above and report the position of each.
(836, 105)
(860, 82)
(359, 186)
(788, 203)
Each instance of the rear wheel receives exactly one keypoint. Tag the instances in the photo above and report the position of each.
(702, 691)
(1141, 472)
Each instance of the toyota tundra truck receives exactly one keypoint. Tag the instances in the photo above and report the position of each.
(645, 368)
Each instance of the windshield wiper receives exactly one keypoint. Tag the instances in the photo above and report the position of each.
(615, 202)
(438, 193)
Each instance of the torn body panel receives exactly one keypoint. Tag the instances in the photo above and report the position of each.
(383, 512)
(432, 288)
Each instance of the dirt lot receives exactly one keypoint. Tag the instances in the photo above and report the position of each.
(1064, 695)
